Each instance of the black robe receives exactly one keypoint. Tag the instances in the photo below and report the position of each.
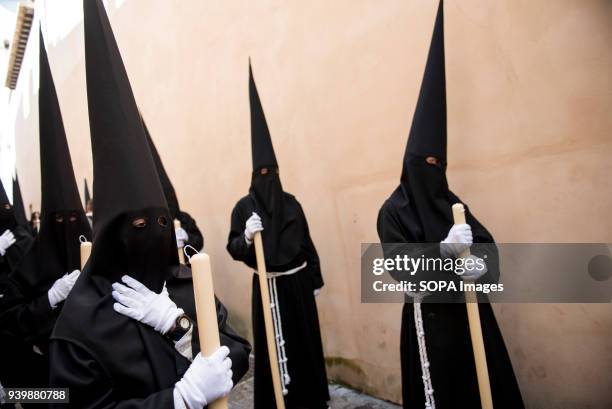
(134, 366)
(300, 321)
(20, 365)
(448, 342)
(196, 240)
(26, 322)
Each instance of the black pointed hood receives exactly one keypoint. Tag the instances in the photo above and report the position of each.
(423, 184)
(18, 208)
(7, 214)
(428, 131)
(164, 179)
(132, 230)
(3, 197)
(278, 210)
(261, 142)
(86, 195)
(56, 248)
(58, 184)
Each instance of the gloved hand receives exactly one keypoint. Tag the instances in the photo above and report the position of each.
(458, 240)
(207, 379)
(141, 304)
(61, 288)
(474, 270)
(181, 237)
(317, 292)
(253, 225)
(6, 240)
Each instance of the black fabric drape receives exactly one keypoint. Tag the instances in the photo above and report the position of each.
(447, 333)
(134, 366)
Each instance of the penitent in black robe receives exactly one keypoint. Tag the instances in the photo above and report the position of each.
(134, 366)
(299, 317)
(448, 342)
(17, 358)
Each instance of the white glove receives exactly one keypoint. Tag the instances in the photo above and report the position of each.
(474, 270)
(181, 237)
(6, 240)
(141, 304)
(253, 225)
(317, 292)
(458, 240)
(61, 288)
(206, 379)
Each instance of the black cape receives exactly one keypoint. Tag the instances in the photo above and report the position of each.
(119, 373)
(300, 322)
(448, 340)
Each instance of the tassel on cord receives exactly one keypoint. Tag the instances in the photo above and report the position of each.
(430, 403)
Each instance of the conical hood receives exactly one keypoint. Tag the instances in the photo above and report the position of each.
(424, 187)
(132, 232)
(428, 132)
(3, 197)
(87, 195)
(55, 250)
(164, 179)
(59, 188)
(18, 208)
(7, 214)
(261, 142)
(125, 177)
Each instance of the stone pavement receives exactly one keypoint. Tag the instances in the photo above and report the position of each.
(341, 396)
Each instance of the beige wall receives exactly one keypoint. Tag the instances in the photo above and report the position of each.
(529, 146)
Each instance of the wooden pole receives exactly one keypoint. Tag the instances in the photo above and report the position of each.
(177, 225)
(208, 327)
(471, 303)
(85, 252)
(269, 324)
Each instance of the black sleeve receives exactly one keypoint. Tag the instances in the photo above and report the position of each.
(23, 241)
(28, 319)
(314, 265)
(89, 386)
(236, 243)
(196, 240)
(397, 240)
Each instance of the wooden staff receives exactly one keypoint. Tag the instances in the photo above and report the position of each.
(208, 327)
(471, 303)
(267, 313)
(177, 225)
(85, 252)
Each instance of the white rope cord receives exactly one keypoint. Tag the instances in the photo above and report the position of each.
(430, 403)
(284, 358)
(278, 335)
